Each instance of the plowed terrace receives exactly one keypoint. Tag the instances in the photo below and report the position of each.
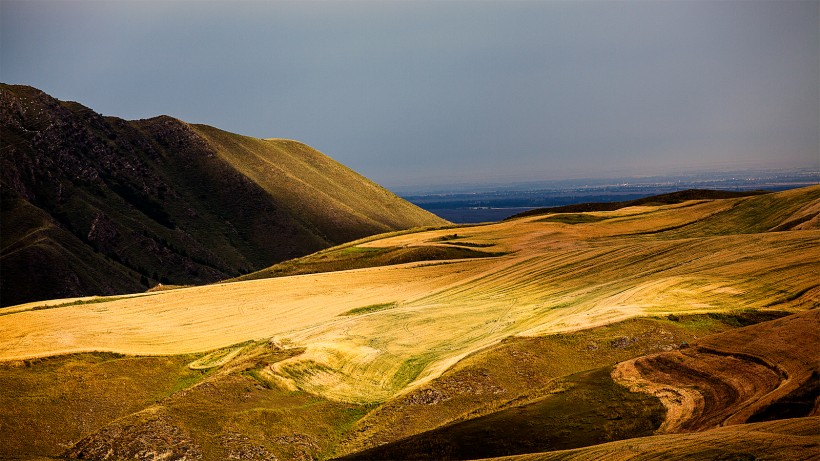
(734, 377)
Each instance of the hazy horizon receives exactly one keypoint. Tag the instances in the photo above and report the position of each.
(414, 93)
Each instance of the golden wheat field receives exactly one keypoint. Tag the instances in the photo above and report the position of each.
(373, 333)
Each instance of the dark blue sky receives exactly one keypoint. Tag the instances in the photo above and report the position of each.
(415, 93)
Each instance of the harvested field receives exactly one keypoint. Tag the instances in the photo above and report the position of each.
(336, 363)
(693, 257)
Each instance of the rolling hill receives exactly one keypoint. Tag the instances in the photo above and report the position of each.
(100, 205)
(689, 327)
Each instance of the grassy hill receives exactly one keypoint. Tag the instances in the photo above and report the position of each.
(100, 205)
(573, 324)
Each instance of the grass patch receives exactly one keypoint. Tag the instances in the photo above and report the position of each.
(712, 320)
(50, 403)
(256, 376)
(186, 380)
(450, 240)
(217, 358)
(410, 369)
(369, 309)
(355, 250)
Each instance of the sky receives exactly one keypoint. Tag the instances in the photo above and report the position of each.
(417, 93)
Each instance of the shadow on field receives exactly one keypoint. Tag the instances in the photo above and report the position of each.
(592, 409)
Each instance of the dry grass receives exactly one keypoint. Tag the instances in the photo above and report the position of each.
(693, 257)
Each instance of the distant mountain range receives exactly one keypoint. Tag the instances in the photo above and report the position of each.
(485, 203)
(101, 205)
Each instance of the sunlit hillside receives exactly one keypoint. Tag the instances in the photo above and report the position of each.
(380, 343)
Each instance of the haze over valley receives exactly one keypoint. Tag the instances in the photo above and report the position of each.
(493, 202)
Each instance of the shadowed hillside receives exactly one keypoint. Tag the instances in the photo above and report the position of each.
(100, 205)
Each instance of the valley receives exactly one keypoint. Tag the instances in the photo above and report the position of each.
(668, 325)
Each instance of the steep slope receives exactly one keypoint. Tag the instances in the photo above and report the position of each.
(336, 200)
(100, 205)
